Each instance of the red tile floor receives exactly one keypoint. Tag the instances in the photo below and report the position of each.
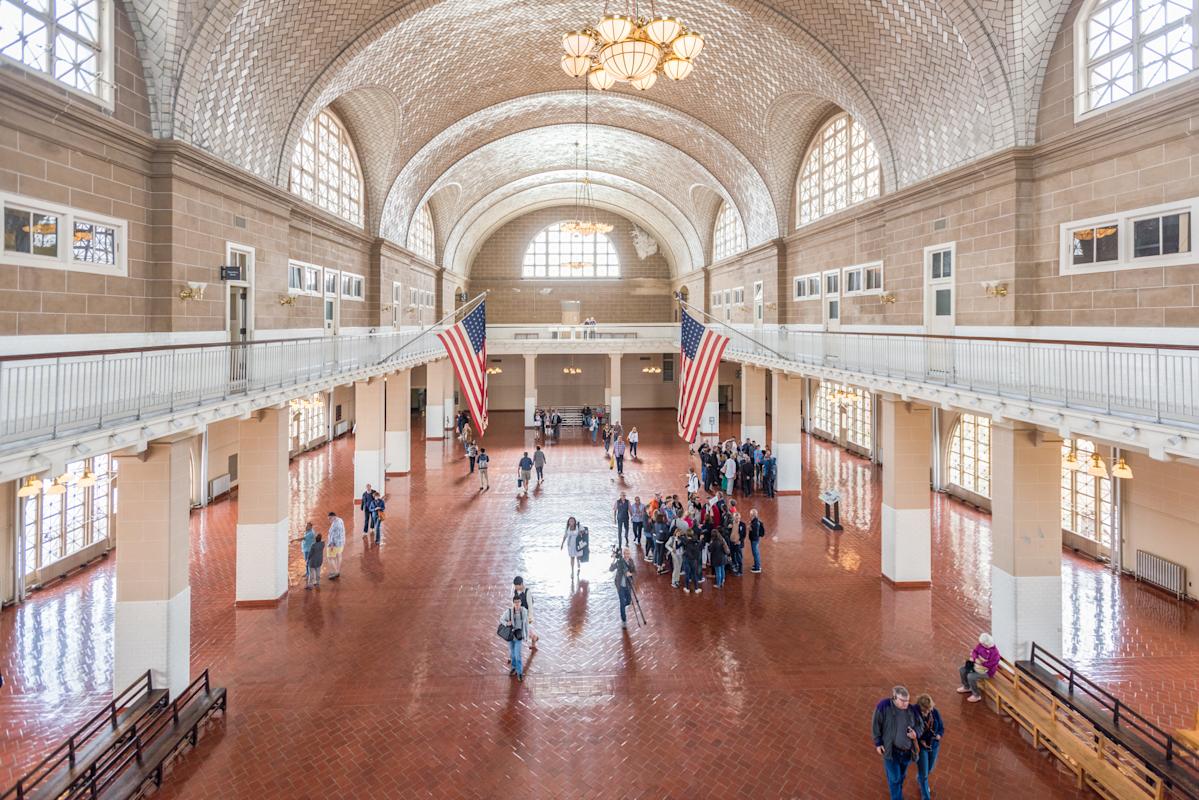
(391, 683)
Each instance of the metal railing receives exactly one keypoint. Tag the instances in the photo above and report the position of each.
(48, 396)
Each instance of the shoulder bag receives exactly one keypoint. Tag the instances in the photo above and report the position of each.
(504, 631)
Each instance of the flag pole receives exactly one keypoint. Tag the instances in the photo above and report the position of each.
(468, 307)
(683, 304)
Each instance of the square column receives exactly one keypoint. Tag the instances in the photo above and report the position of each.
(152, 628)
(448, 409)
(397, 438)
(435, 374)
(614, 386)
(262, 508)
(907, 528)
(368, 436)
(530, 388)
(786, 399)
(1026, 539)
(753, 403)
(709, 423)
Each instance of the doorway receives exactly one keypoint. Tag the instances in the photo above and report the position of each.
(832, 300)
(332, 312)
(939, 304)
(759, 304)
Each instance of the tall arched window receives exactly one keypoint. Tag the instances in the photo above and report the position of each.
(555, 253)
(1086, 499)
(970, 454)
(841, 168)
(324, 168)
(728, 235)
(1128, 46)
(420, 234)
(839, 407)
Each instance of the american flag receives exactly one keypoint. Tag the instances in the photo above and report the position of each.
(466, 343)
(701, 351)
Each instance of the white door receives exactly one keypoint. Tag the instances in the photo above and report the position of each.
(332, 286)
(939, 268)
(397, 305)
(832, 300)
(759, 304)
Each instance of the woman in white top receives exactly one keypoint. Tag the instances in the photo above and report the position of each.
(633, 438)
(692, 482)
(570, 540)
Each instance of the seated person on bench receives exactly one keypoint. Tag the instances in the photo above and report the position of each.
(984, 660)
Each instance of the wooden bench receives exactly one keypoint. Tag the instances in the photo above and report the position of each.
(87, 750)
(1190, 736)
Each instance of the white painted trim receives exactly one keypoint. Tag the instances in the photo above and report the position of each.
(67, 217)
(1124, 220)
(861, 268)
(930, 284)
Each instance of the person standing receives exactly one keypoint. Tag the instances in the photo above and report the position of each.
(518, 618)
(736, 539)
(556, 421)
(570, 540)
(637, 517)
(718, 551)
(593, 426)
(930, 742)
(378, 513)
(521, 592)
(525, 471)
(896, 727)
(692, 552)
(313, 561)
(634, 438)
(661, 529)
(306, 543)
(770, 470)
(481, 463)
(618, 453)
(730, 474)
(692, 482)
(539, 463)
(621, 513)
(757, 531)
(674, 546)
(337, 543)
(472, 453)
(625, 569)
(366, 505)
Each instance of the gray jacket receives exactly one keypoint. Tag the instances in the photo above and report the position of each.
(521, 623)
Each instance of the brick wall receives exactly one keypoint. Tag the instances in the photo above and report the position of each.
(642, 294)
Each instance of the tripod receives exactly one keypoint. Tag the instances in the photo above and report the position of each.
(637, 605)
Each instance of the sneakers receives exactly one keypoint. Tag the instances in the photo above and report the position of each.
(698, 590)
(624, 625)
(963, 690)
(974, 698)
(674, 586)
(685, 589)
(755, 570)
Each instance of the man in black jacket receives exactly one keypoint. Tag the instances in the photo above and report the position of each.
(895, 728)
(756, 532)
(625, 568)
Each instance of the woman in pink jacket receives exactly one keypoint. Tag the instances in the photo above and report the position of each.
(984, 660)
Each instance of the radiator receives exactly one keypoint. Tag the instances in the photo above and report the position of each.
(340, 427)
(218, 486)
(1162, 573)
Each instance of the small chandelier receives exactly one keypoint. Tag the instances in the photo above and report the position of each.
(584, 222)
(572, 370)
(631, 48)
(651, 370)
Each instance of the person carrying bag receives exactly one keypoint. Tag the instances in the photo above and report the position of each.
(514, 629)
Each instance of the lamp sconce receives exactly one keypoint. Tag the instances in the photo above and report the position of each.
(385, 308)
(287, 299)
(772, 305)
(460, 296)
(888, 298)
(193, 291)
(412, 308)
(995, 289)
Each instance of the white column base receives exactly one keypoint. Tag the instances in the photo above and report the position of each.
(261, 561)
(397, 447)
(530, 408)
(709, 423)
(756, 433)
(153, 635)
(1025, 610)
(789, 470)
(614, 407)
(447, 414)
(907, 545)
(368, 468)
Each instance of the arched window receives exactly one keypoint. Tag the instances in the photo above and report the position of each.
(840, 169)
(420, 234)
(840, 407)
(555, 253)
(69, 41)
(1128, 46)
(324, 168)
(970, 454)
(728, 236)
(1086, 499)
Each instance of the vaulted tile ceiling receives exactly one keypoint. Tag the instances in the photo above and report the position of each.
(461, 103)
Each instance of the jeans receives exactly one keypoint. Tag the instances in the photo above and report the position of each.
(691, 573)
(594, 433)
(472, 463)
(377, 524)
(622, 529)
(736, 554)
(970, 680)
(753, 548)
(633, 448)
(366, 520)
(928, 759)
(626, 597)
(719, 569)
(620, 465)
(638, 527)
(897, 770)
(514, 655)
(659, 553)
(540, 474)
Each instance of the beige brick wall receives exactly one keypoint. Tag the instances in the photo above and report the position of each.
(642, 294)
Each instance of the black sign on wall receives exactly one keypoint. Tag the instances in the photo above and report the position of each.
(231, 273)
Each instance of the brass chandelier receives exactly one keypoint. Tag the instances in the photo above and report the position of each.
(631, 48)
(584, 223)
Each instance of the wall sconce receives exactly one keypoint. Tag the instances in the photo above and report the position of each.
(460, 295)
(287, 300)
(385, 308)
(495, 370)
(193, 291)
(772, 305)
(888, 298)
(995, 289)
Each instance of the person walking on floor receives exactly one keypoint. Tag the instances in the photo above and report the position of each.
(525, 472)
(896, 728)
(366, 504)
(378, 514)
(472, 453)
(625, 568)
(634, 438)
(757, 530)
(337, 543)
(621, 513)
(481, 464)
(984, 660)
(556, 421)
(521, 592)
(692, 482)
(306, 543)
(607, 436)
(518, 618)
(637, 516)
(618, 452)
(539, 463)
(593, 426)
(930, 742)
(570, 540)
(313, 562)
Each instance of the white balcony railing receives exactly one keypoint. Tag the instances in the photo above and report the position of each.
(45, 397)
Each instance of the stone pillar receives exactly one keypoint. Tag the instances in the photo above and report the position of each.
(397, 438)
(786, 426)
(530, 388)
(152, 628)
(435, 373)
(709, 423)
(368, 437)
(448, 408)
(262, 508)
(753, 403)
(1026, 539)
(614, 384)
(907, 529)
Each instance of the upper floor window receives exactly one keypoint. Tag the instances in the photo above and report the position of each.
(1129, 46)
(324, 168)
(420, 235)
(1153, 236)
(67, 40)
(840, 169)
(728, 237)
(38, 234)
(555, 253)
